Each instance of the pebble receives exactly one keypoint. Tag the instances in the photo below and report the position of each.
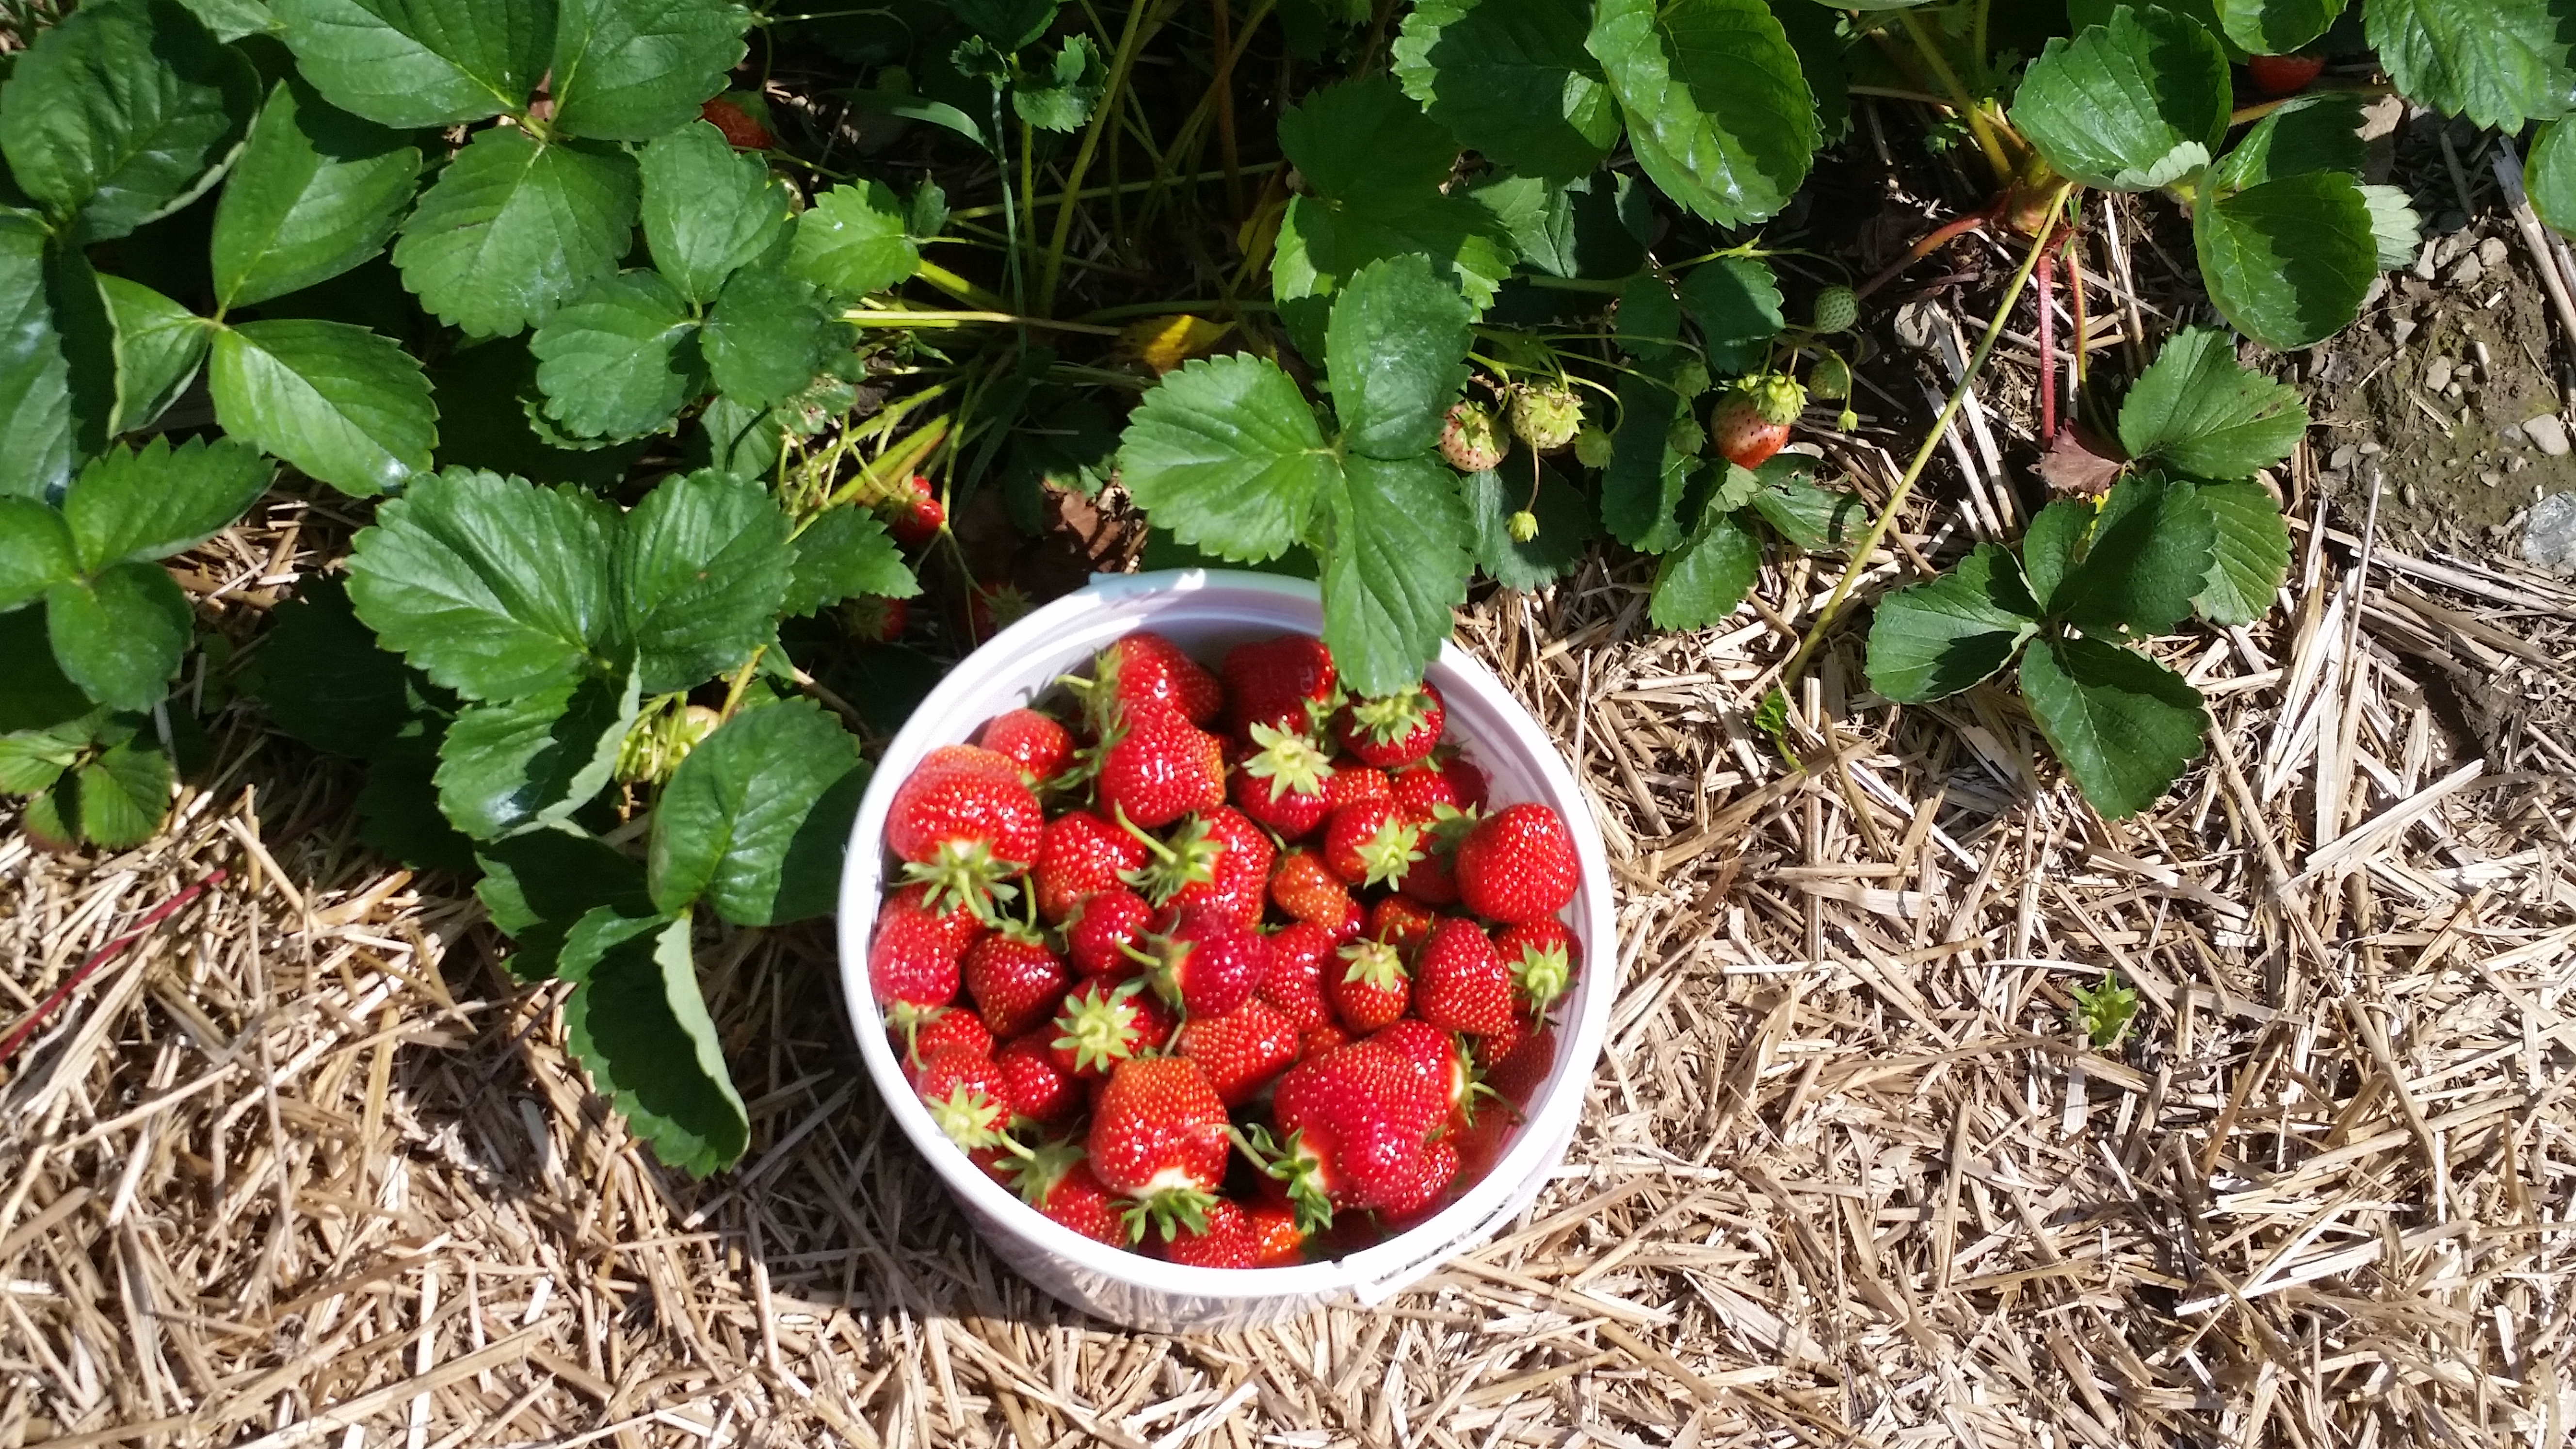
(2437, 374)
(2549, 533)
(2370, 447)
(2485, 358)
(2455, 390)
(2343, 457)
(2399, 329)
(2512, 435)
(2492, 251)
(2406, 493)
(2469, 272)
(2427, 261)
(2516, 463)
(2491, 478)
(2547, 433)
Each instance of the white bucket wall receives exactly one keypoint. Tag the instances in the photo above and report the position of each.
(1205, 611)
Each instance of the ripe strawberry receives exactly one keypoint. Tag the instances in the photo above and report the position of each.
(1515, 1071)
(1056, 1179)
(1282, 683)
(1372, 989)
(1146, 669)
(1037, 744)
(1355, 1120)
(742, 130)
(1352, 784)
(1396, 729)
(1219, 860)
(1223, 1239)
(972, 758)
(1415, 1193)
(1433, 879)
(1277, 1242)
(1319, 1040)
(1370, 842)
(1542, 955)
(917, 516)
(1435, 1053)
(993, 605)
(1284, 781)
(1032, 1083)
(1080, 855)
(1101, 929)
(1157, 767)
(2284, 75)
(967, 1096)
(874, 618)
(1401, 922)
(1299, 954)
(1015, 980)
(1158, 1136)
(1518, 865)
(913, 952)
(964, 827)
(1306, 888)
(1207, 963)
(1466, 781)
(1422, 787)
(1751, 421)
(938, 1028)
(1479, 1142)
(1103, 1023)
(1459, 982)
(1242, 1050)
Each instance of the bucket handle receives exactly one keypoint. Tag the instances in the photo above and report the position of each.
(1385, 1286)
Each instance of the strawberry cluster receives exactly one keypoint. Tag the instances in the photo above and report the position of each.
(1229, 967)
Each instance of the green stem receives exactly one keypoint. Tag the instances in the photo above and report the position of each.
(1978, 125)
(1130, 41)
(958, 287)
(1095, 193)
(904, 317)
(1923, 455)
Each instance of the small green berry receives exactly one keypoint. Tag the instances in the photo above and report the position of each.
(1831, 378)
(1546, 417)
(1837, 308)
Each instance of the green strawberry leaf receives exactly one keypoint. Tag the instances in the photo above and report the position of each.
(2124, 724)
(844, 552)
(31, 760)
(491, 586)
(1396, 350)
(2289, 261)
(766, 336)
(1933, 639)
(2276, 27)
(2197, 411)
(2551, 175)
(122, 113)
(119, 634)
(34, 694)
(1641, 490)
(1225, 453)
(1718, 109)
(315, 192)
(1322, 241)
(2250, 555)
(159, 347)
(707, 210)
(629, 70)
(413, 63)
(513, 226)
(345, 405)
(1394, 538)
(620, 359)
(88, 331)
(1650, 317)
(2395, 230)
(326, 682)
(2318, 132)
(121, 794)
(701, 567)
(36, 551)
(1075, 79)
(2149, 553)
(37, 451)
(141, 506)
(2053, 546)
(1511, 79)
(854, 240)
(1364, 141)
(1736, 302)
(1702, 582)
(1008, 24)
(1811, 518)
(640, 1027)
(232, 19)
(2134, 104)
(2498, 62)
(532, 761)
(537, 885)
(398, 816)
(755, 820)
(1584, 228)
(1565, 524)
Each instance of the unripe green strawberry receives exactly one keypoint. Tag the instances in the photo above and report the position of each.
(1592, 448)
(1837, 308)
(1546, 416)
(1469, 441)
(655, 745)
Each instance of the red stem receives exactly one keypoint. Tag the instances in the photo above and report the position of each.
(1941, 236)
(162, 912)
(2047, 348)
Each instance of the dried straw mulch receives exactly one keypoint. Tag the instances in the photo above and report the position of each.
(302, 1166)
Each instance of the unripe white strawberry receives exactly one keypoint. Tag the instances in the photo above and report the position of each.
(1546, 416)
(1469, 439)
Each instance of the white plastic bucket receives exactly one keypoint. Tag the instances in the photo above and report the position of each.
(1205, 611)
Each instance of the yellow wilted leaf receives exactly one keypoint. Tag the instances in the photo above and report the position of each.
(1163, 343)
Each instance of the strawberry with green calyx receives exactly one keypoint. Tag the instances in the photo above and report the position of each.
(1401, 922)
(1014, 979)
(993, 605)
(916, 516)
(1837, 309)
(1224, 1239)
(1441, 1059)
(915, 948)
(1351, 784)
(1155, 767)
(1241, 1051)
(1392, 730)
(1516, 1063)
(743, 117)
(1159, 1139)
(1413, 1194)
(1751, 421)
(1283, 683)
(1353, 1124)
(1300, 953)
(964, 824)
(1371, 989)
(1543, 956)
(1144, 671)
(1518, 864)
(1103, 1023)
(1218, 860)
(1036, 743)
(1469, 440)
(1206, 963)
(1056, 1179)
(1371, 843)
(1283, 783)
(1831, 380)
(1277, 1241)
(1079, 856)
(874, 619)
(923, 1031)
(1099, 932)
(2284, 75)
(1422, 787)
(1306, 888)
(967, 1097)
(1432, 878)
(1466, 781)
(1546, 415)
(1460, 982)
(1037, 1089)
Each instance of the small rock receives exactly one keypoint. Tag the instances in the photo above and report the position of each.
(2379, 122)
(2399, 329)
(2378, 289)
(2343, 457)
(2469, 272)
(2426, 261)
(2516, 463)
(2547, 433)
(2455, 390)
(2492, 251)
(2492, 479)
(2370, 447)
(2512, 436)
(2406, 493)
(2549, 534)
(2485, 358)
(2437, 374)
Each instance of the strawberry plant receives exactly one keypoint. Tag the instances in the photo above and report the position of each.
(2179, 533)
